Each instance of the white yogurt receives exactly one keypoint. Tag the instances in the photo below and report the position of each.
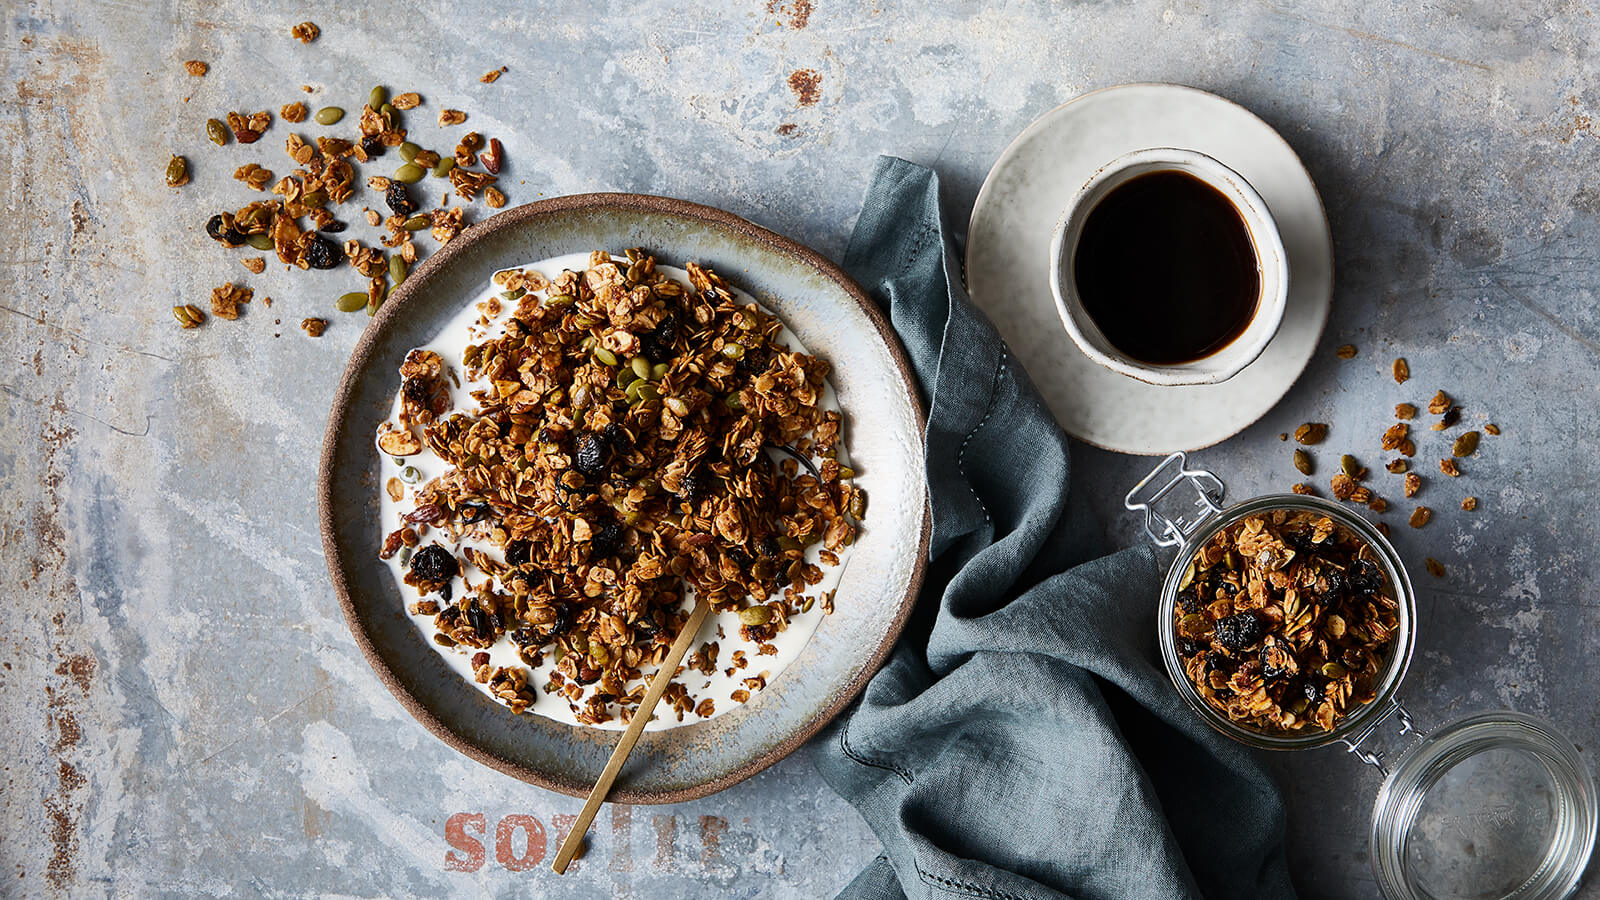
(473, 326)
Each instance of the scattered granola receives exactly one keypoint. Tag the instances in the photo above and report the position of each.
(1439, 403)
(1398, 466)
(1469, 504)
(225, 300)
(1402, 371)
(449, 117)
(255, 264)
(1435, 568)
(1413, 484)
(1492, 428)
(1420, 516)
(1311, 433)
(314, 327)
(1346, 351)
(493, 75)
(189, 316)
(293, 112)
(1285, 621)
(305, 32)
(1448, 466)
(196, 68)
(1405, 411)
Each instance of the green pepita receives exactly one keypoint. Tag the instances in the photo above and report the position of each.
(558, 300)
(733, 351)
(315, 199)
(443, 167)
(1465, 445)
(625, 377)
(1302, 462)
(443, 640)
(352, 301)
(514, 295)
(408, 151)
(177, 171)
(805, 607)
(1334, 670)
(640, 366)
(378, 96)
(216, 131)
(733, 402)
(605, 356)
(632, 390)
(397, 269)
(410, 173)
(417, 222)
(405, 555)
(387, 112)
(658, 371)
(260, 240)
(755, 615)
(329, 115)
(1349, 466)
(846, 472)
(411, 475)
(648, 391)
(858, 505)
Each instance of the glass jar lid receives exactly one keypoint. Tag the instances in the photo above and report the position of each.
(1493, 805)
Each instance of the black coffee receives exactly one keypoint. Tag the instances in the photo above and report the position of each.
(1166, 268)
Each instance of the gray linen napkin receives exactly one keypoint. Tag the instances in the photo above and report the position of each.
(1023, 740)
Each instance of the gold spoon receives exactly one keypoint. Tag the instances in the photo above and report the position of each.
(641, 716)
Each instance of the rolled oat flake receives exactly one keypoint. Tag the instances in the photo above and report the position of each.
(1495, 804)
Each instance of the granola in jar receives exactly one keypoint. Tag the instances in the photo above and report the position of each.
(1285, 622)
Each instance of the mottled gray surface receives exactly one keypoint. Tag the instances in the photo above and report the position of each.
(185, 711)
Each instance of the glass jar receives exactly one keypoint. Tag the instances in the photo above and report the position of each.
(1497, 804)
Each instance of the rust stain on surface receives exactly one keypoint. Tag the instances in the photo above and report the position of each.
(807, 86)
(795, 14)
(712, 828)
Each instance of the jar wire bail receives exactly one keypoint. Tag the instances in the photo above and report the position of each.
(1167, 475)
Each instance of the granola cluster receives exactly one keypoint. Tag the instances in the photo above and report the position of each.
(1284, 622)
(617, 455)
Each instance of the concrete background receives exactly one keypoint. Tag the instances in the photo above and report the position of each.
(184, 711)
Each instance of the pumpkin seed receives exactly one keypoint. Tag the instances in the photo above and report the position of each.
(786, 542)
(678, 407)
(1334, 670)
(755, 615)
(625, 377)
(410, 173)
(387, 112)
(216, 131)
(397, 269)
(378, 96)
(188, 315)
(733, 402)
(443, 640)
(329, 115)
(260, 241)
(733, 351)
(513, 295)
(632, 390)
(1435, 568)
(605, 356)
(1349, 466)
(846, 472)
(1465, 445)
(444, 166)
(1302, 462)
(640, 366)
(408, 151)
(648, 391)
(410, 475)
(558, 300)
(417, 222)
(1311, 433)
(352, 301)
(405, 555)
(588, 343)
(177, 172)
(658, 371)
(858, 505)
(599, 654)
(806, 606)
(315, 199)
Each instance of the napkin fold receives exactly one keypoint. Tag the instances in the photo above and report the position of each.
(1023, 740)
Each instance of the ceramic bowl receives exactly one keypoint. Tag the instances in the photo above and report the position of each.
(830, 315)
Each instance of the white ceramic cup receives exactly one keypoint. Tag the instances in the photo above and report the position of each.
(1273, 263)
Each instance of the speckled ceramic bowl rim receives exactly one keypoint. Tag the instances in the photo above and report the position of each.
(404, 297)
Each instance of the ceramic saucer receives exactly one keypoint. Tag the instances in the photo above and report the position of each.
(1008, 262)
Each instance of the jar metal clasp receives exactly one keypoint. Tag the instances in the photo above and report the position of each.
(1374, 758)
(1171, 472)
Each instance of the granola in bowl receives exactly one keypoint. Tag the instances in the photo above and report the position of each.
(1285, 622)
(594, 441)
